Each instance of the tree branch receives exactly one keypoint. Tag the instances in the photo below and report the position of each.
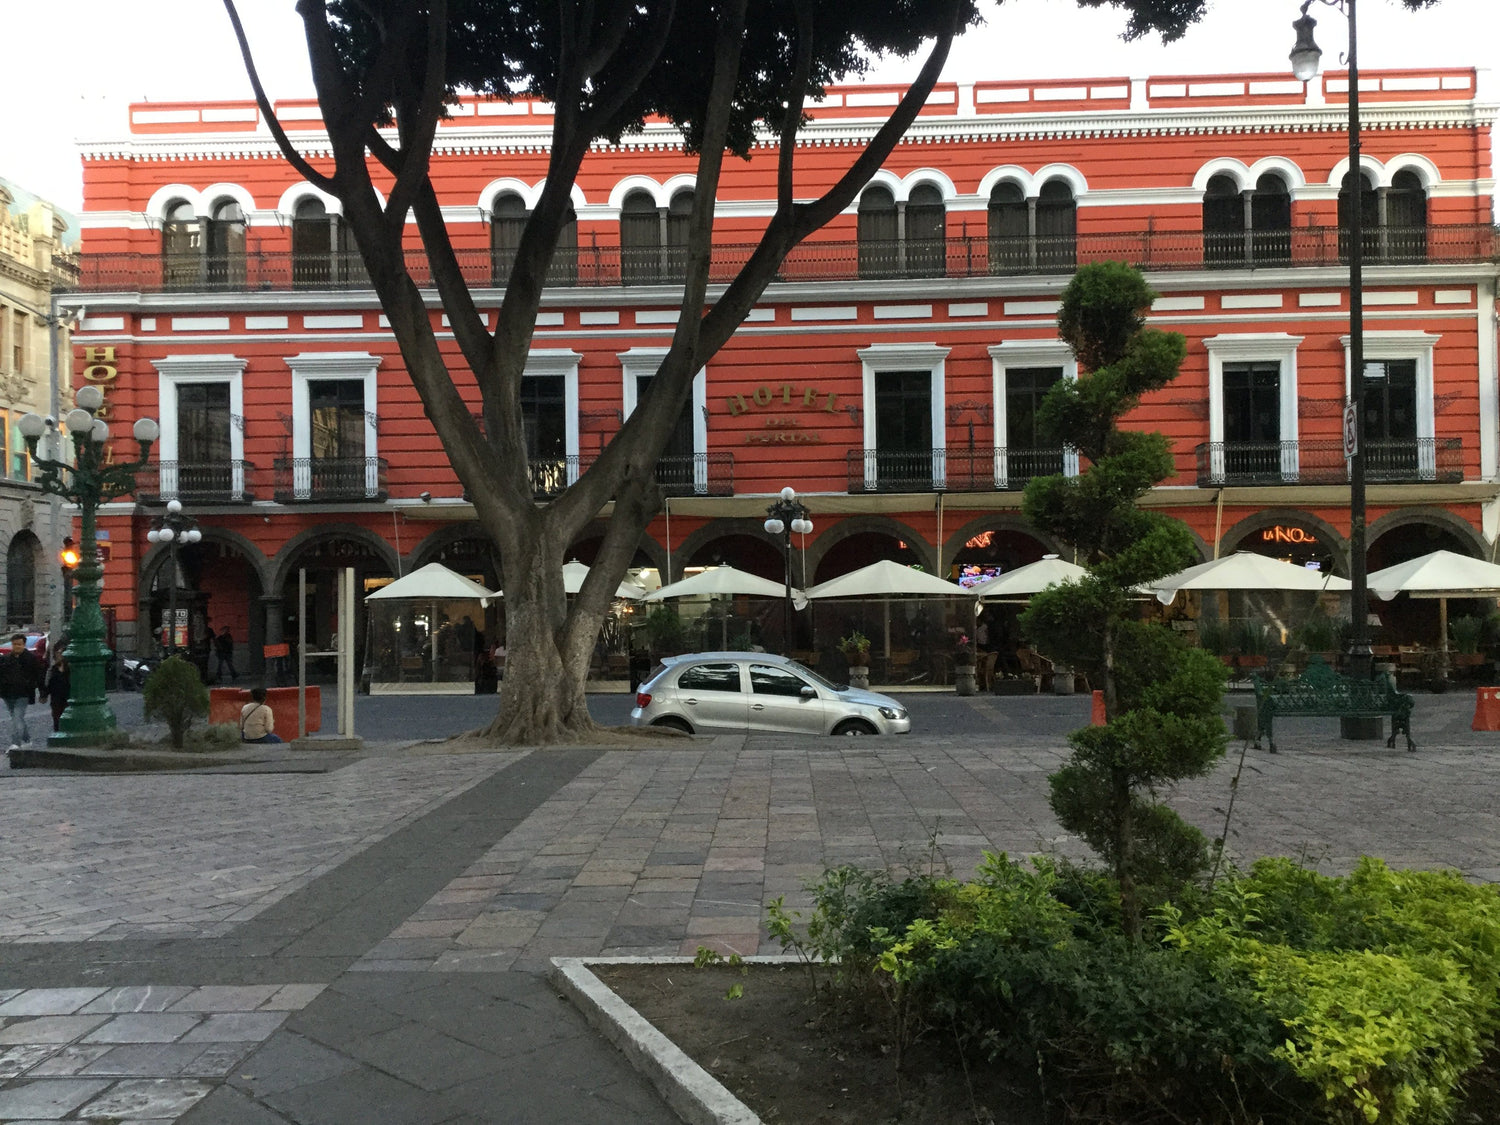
(283, 142)
(418, 134)
(796, 98)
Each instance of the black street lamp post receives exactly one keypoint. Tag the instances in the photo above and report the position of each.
(788, 517)
(1305, 56)
(175, 530)
(88, 481)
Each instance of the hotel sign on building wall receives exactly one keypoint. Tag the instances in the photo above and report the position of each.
(780, 427)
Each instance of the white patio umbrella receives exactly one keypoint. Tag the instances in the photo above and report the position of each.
(574, 572)
(1026, 580)
(721, 580)
(433, 583)
(886, 580)
(1245, 570)
(1441, 575)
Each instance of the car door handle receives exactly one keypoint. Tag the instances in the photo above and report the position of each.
(757, 706)
(691, 702)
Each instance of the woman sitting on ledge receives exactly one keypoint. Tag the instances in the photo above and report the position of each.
(257, 721)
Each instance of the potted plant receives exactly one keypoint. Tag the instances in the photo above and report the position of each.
(1213, 638)
(664, 632)
(1253, 644)
(856, 649)
(965, 681)
(1465, 632)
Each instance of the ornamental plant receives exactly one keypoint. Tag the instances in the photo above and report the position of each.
(1161, 698)
(176, 696)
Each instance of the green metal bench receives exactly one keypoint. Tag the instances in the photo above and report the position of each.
(1320, 691)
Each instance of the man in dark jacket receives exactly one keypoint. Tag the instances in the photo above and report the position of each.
(20, 676)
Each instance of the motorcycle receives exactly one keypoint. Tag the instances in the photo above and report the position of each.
(133, 673)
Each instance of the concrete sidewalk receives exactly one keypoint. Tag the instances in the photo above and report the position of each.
(363, 943)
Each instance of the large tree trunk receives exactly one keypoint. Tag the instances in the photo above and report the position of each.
(542, 698)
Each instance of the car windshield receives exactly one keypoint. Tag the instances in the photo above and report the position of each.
(817, 679)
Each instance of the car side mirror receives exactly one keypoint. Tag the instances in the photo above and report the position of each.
(809, 692)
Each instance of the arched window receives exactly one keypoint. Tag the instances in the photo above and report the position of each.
(1009, 229)
(640, 240)
(224, 245)
(1369, 215)
(1223, 222)
(314, 241)
(20, 579)
(1056, 226)
(507, 221)
(1405, 219)
(926, 233)
(181, 249)
(1271, 221)
(879, 234)
(679, 220)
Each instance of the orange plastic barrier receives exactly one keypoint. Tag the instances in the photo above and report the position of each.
(224, 705)
(1487, 709)
(1097, 718)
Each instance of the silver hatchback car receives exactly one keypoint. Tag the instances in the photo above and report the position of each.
(756, 691)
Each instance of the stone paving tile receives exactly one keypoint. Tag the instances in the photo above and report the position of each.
(47, 1099)
(145, 1027)
(147, 1098)
(48, 1001)
(236, 1027)
(114, 868)
(48, 1029)
(136, 999)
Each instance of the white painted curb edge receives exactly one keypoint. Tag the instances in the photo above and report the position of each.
(696, 1095)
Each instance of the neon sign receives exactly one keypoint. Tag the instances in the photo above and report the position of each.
(1281, 534)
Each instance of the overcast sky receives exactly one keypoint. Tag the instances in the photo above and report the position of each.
(109, 53)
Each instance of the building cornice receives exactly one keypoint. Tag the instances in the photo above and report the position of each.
(987, 128)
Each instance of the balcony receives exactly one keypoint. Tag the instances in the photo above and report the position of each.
(700, 474)
(197, 482)
(966, 469)
(329, 479)
(1410, 461)
(961, 255)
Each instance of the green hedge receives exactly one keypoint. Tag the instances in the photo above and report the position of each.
(1279, 996)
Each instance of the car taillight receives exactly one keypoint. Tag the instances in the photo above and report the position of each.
(643, 699)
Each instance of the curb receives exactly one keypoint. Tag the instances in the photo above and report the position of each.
(695, 1095)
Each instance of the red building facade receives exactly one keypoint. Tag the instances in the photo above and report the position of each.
(890, 376)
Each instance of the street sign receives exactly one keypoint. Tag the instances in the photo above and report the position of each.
(1351, 432)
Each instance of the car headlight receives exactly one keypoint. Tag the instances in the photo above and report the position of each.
(892, 712)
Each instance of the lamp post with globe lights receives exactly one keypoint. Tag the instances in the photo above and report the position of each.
(175, 530)
(1304, 57)
(788, 517)
(88, 480)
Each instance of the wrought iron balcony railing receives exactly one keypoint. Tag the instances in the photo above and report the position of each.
(197, 482)
(698, 474)
(1406, 461)
(304, 479)
(963, 469)
(961, 254)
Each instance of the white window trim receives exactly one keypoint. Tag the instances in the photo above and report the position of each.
(1382, 345)
(564, 362)
(1251, 347)
(906, 357)
(310, 366)
(173, 370)
(645, 361)
(1025, 353)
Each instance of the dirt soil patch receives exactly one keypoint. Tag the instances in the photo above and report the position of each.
(791, 1059)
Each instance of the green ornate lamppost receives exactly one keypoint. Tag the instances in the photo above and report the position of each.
(88, 482)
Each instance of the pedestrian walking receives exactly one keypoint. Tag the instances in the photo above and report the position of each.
(20, 677)
(57, 686)
(257, 720)
(224, 655)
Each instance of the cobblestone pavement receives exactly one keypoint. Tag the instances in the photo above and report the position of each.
(361, 944)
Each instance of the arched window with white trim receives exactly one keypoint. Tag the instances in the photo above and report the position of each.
(1056, 226)
(879, 233)
(224, 245)
(640, 239)
(181, 246)
(508, 222)
(1009, 225)
(1405, 219)
(926, 233)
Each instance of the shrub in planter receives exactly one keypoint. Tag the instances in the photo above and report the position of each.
(665, 634)
(856, 648)
(176, 696)
(1465, 633)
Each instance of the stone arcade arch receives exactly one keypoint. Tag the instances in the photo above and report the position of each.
(1398, 537)
(859, 540)
(323, 551)
(221, 582)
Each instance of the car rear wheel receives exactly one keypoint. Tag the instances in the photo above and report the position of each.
(852, 727)
(674, 723)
